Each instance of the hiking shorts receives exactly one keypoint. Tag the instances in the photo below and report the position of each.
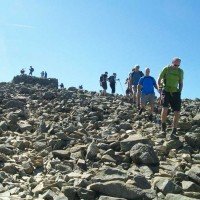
(104, 85)
(173, 99)
(145, 98)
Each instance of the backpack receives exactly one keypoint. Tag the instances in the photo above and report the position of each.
(141, 74)
(111, 79)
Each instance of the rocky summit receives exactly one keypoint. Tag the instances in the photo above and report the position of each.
(73, 144)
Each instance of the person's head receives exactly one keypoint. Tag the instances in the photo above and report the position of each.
(147, 71)
(176, 62)
(106, 73)
(114, 74)
(137, 67)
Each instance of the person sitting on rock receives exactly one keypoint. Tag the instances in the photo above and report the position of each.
(31, 70)
(146, 86)
(61, 86)
(22, 71)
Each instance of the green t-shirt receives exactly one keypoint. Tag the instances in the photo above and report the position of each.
(172, 77)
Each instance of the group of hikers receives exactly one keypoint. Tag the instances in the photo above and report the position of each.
(112, 80)
(140, 87)
(31, 70)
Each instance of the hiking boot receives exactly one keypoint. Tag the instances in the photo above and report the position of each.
(163, 127)
(174, 134)
(141, 110)
(151, 117)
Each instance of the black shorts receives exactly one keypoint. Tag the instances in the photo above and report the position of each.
(104, 85)
(173, 99)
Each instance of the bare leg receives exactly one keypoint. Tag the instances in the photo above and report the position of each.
(138, 98)
(176, 118)
(164, 114)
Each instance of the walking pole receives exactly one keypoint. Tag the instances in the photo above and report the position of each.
(121, 86)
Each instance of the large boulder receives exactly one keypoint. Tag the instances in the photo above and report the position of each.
(118, 189)
(129, 142)
(143, 154)
(193, 139)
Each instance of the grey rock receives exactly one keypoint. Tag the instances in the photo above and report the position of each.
(3, 125)
(24, 126)
(38, 146)
(70, 192)
(110, 198)
(190, 186)
(15, 104)
(92, 151)
(167, 186)
(193, 139)
(61, 154)
(194, 174)
(118, 189)
(141, 182)
(128, 143)
(143, 154)
(86, 194)
(177, 197)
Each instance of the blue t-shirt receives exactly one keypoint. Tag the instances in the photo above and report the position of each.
(148, 83)
(136, 77)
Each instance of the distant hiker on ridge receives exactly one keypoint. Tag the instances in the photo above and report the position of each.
(31, 70)
(146, 85)
(61, 86)
(42, 74)
(170, 83)
(22, 71)
(103, 82)
(45, 74)
(112, 79)
(135, 77)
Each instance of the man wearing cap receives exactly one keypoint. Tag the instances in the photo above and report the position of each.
(170, 82)
(134, 78)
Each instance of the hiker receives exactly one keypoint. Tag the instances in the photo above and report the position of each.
(45, 74)
(135, 77)
(128, 83)
(22, 71)
(42, 74)
(62, 86)
(170, 83)
(31, 70)
(146, 85)
(80, 87)
(103, 82)
(112, 79)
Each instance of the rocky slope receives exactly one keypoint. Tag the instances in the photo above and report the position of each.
(73, 144)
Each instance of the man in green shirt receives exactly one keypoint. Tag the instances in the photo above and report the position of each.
(170, 83)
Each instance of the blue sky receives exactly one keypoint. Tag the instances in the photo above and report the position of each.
(76, 41)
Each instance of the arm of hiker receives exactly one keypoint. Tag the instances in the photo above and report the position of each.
(181, 82)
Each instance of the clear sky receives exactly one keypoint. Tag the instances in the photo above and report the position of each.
(77, 40)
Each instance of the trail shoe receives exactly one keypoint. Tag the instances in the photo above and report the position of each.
(174, 134)
(151, 117)
(163, 127)
(141, 110)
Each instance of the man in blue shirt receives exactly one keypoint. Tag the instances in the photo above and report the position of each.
(146, 85)
(134, 78)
